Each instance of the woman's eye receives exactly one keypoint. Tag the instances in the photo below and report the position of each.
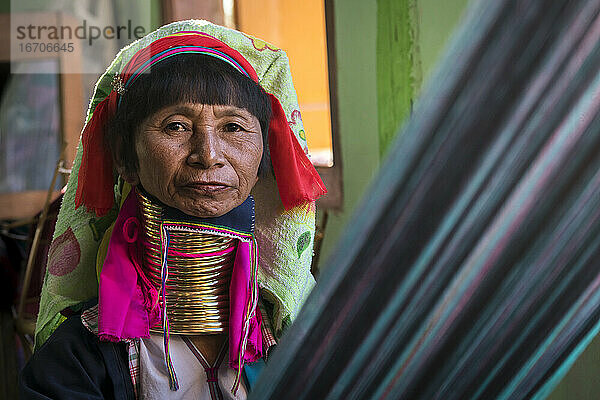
(176, 127)
(233, 127)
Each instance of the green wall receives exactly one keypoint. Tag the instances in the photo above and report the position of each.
(356, 43)
(355, 33)
(437, 20)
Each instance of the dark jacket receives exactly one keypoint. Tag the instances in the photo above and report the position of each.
(72, 364)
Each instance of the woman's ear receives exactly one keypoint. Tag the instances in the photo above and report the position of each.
(129, 177)
(128, 174)
(120, 162)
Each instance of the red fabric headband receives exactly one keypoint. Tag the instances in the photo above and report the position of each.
(297, 180)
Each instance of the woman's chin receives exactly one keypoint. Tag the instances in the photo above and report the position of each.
(207, 209)
(202, 204)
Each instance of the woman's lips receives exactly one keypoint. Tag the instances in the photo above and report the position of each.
(208, 187)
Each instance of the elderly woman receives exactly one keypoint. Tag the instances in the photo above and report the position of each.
(186, 229)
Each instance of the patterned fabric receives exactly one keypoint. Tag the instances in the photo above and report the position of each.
(268, 339)
(133, 355)
(285, 238)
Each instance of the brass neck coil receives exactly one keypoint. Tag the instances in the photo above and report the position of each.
(199, 274)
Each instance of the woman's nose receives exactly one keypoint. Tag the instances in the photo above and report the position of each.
(206, 149)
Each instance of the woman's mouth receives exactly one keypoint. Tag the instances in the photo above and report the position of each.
(208, 187)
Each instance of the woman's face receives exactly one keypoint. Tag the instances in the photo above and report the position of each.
(201, 159)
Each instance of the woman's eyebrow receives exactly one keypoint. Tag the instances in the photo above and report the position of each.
(219, 111)
(181, 109)
(229, 111)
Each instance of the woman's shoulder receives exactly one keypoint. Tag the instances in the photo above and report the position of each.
(73, 363)
(70, 333)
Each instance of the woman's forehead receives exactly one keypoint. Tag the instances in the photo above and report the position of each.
(217, 110)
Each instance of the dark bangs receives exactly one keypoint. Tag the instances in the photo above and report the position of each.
(185, 78)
